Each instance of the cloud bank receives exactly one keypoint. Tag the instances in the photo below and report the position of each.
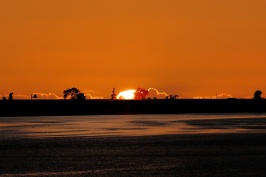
(155, 93)
(27, 97)
(218, 96)
(48, 96)
(90, 94)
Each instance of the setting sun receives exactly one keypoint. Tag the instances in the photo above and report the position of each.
(128, 94)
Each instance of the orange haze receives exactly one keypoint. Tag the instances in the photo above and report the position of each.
(185, 47)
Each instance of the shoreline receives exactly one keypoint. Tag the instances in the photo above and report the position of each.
(9, 108)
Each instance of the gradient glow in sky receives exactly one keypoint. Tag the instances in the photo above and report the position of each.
(185, 47)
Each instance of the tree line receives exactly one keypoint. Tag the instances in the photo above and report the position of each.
(140, 94)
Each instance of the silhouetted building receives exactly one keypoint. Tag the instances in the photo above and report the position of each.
(10, 96)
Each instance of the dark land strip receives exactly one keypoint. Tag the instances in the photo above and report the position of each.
(111, 107)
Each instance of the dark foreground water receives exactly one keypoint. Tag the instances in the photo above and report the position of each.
(134, 145)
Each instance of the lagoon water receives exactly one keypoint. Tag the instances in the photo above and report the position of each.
(184, 145)
(130, 125)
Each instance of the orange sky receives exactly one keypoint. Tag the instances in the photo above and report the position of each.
(185, 47)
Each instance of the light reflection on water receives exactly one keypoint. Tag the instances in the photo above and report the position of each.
(130, 125)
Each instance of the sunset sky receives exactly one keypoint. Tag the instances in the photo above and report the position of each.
(193, 48)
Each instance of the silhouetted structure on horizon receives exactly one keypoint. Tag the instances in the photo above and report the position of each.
(74, 94)
(113, 96)
(172, 97)
(10, 97)
(140, 94)
(257, 95)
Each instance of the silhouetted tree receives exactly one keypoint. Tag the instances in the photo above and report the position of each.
(73, 94)
(172, 97)
(81, 96)
(257, 94)
(140, 94)
(113, 96)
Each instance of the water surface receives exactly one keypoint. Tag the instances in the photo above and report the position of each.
(130, 125)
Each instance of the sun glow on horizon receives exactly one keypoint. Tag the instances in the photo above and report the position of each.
(127, 95)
